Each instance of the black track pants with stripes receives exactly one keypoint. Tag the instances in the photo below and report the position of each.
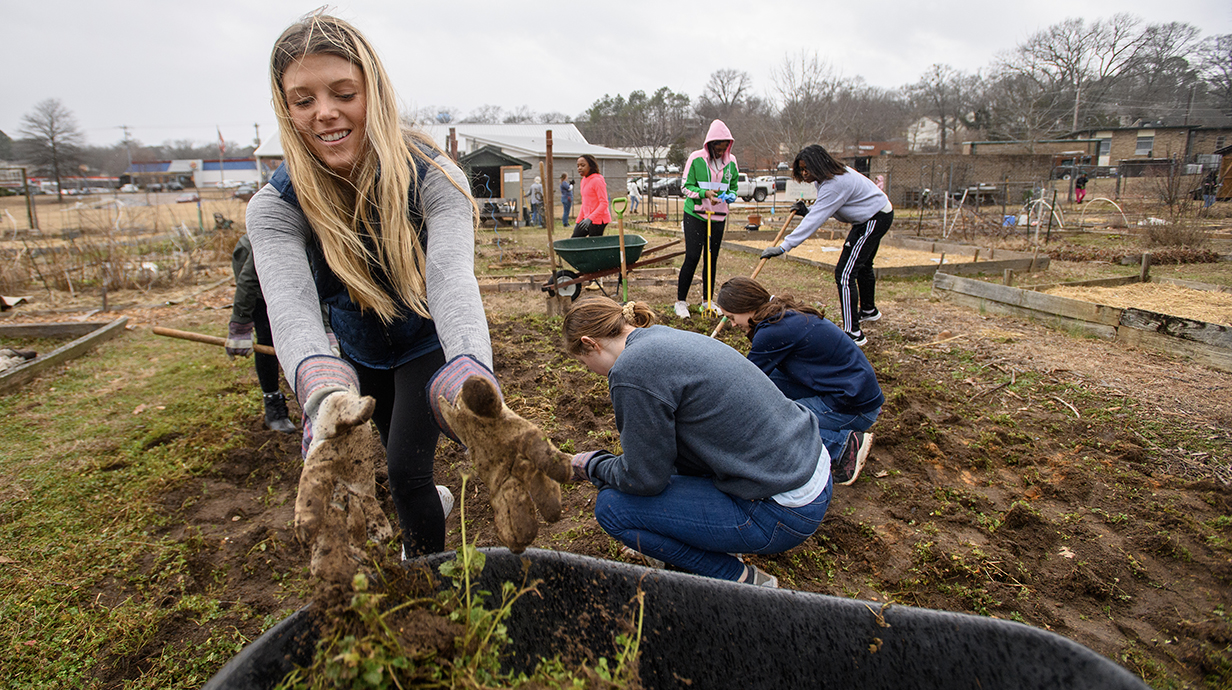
(854, 273)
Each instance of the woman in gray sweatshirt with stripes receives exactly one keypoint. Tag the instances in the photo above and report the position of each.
(715, 459)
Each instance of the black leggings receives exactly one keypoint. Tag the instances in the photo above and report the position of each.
(409, 433)
(694, 244)
(266, 365)
(857, 284)
(596, 229)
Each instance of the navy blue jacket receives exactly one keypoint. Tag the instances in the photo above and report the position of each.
(814, 358)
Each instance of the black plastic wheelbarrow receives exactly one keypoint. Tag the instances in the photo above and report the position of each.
(705, 633)
(599, 257)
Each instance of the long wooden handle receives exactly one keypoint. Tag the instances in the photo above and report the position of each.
(760, 264)
(207, 339)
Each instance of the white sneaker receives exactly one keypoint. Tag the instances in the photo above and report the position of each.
(446, 499)
(682, 309)
(712, 308)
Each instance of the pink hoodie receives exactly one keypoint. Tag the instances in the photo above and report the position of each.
(718, 132)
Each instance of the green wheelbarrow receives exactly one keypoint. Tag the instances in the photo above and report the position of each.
(599, 257)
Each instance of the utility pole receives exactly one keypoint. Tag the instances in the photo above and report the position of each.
(256, 128)
(127, 147)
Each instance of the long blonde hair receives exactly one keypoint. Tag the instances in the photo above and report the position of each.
(383, 179)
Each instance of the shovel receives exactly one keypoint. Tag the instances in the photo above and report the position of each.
(760, 264)
(207, 339)
(619, 205)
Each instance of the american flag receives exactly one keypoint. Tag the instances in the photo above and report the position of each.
(222, 144)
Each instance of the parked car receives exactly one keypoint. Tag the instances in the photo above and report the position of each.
(757, 190)
(244, 191)
(174, 186)
(129, 189)
(187, 198)
(230, 184)
(668, 186)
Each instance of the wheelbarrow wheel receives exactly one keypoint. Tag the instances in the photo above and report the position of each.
(570, 291)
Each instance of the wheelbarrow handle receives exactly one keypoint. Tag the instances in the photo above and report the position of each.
(619, 205)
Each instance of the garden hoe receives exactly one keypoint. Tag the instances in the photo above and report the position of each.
(207, 339)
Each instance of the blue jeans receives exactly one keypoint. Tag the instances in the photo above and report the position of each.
(564, 217)
(834, 426)
(696, 527)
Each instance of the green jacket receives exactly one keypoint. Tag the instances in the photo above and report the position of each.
(697, 182)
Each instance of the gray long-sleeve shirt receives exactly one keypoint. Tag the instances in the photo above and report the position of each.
(280, 235)
(688, 404)
(850, 197)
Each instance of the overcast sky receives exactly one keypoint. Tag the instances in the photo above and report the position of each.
(172, 70)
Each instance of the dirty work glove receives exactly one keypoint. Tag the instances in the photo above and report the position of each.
(800, 208)
(727, 197)
(239, 339)
(579, 462)
(516, 461)
(583, 225)
(336, 510)
(771, 252)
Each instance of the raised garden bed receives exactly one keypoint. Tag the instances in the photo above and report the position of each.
(1207, 343)
(906, 256)
(86, 334)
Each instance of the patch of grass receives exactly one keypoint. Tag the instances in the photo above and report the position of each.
(81, 467)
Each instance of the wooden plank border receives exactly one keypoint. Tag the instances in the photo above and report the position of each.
(1207, 343)
(13, 378)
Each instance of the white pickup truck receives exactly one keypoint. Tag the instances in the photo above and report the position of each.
(747, 188)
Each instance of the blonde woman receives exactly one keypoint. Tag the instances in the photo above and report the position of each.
(378, 223)
(715, 459)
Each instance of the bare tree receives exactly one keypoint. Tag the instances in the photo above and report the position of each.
(1072, 57)
(945, 95)
(51, 138)
(808, 91)
(1215, 61)
(726, 93)
(1161, 83)
(650, 124)
(1018, 106)
(521, 114)
(484, 115)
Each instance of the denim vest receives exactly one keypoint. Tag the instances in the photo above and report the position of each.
(363, 337)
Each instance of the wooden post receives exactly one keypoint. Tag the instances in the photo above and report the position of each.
(1009, 276)
(25, 183)
(1033, 255)
(1051, 211)
(453, 143)
(976, 259)
(556, 305)
(1144, 272)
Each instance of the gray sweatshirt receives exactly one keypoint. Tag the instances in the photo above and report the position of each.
(280, 235)
(689, 404)
(850, 197)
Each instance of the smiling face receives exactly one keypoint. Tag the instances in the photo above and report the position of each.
(325, 95)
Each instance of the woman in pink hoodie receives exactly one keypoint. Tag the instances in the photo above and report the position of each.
(710, 182)
(594, 214)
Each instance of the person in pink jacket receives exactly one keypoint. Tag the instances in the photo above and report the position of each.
(594, 214)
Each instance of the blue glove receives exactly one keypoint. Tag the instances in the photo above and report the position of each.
(727, 197)
(771, 252)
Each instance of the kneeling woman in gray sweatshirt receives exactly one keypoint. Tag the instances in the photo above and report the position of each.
(716, 461)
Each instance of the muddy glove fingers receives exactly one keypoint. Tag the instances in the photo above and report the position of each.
(519, 465)
(239, 339)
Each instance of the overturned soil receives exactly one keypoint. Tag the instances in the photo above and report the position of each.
(1076, 485)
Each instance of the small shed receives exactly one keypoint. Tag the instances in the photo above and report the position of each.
(496, 182)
